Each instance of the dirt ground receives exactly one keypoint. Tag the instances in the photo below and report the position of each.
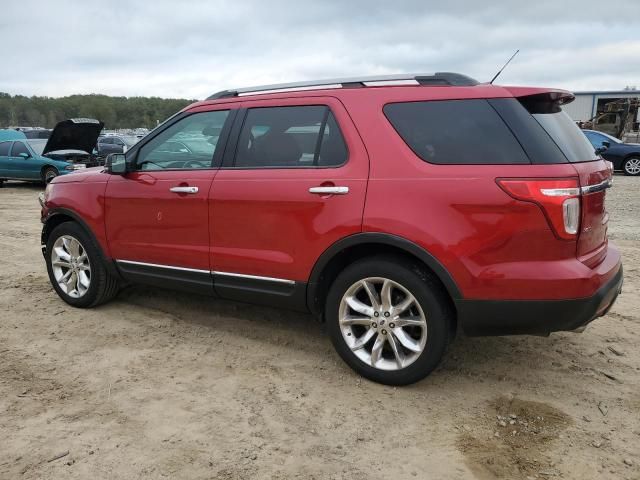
(158, 384)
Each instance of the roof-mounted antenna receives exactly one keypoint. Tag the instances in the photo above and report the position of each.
(503, 67)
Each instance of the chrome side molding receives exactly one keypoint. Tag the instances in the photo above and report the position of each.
(167, 267)
(208, 272)
(253, 277)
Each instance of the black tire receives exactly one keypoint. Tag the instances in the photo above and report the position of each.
(428, 293)
(49, 174)
(103, 286)
(627, 165)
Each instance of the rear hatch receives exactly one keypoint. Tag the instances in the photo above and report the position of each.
(569, 145)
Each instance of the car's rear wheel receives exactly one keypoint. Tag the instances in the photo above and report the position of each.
(388, 320)
(76, 267)
(49, 174)
(631, 166)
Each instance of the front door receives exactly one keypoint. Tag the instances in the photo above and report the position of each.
(157, 217)
(22, 163)
(292, 183)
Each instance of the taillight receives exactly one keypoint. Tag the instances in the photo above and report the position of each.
(559, 199)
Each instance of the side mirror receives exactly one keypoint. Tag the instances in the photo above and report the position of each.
(24, 155)
(117, 164)
(606, 144)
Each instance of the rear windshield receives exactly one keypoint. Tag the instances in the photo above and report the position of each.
(567, 136)
(456, 132)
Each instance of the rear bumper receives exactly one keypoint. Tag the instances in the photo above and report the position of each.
(537, 317)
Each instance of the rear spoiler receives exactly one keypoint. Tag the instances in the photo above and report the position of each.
(541, 100)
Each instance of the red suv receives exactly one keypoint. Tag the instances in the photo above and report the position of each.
(398, 209)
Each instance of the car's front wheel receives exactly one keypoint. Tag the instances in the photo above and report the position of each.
(49, 174)
(389, 320)
(631, 166)
(76, 267)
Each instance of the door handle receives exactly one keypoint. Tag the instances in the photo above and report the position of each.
(184, 189)
(329, 190)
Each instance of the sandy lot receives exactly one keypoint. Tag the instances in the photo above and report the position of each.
(164, 385)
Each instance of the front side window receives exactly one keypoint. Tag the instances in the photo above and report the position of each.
(190, 143)
(455, 132)
(18, 148)
(290, 137)
(4, 149)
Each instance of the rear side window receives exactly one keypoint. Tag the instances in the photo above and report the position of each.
(4, 149)
(290, 137)
(455, 132)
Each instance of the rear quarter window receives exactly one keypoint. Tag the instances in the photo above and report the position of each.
(566, 134)
(454, 132)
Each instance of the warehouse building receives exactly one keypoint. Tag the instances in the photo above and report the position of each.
(588, 105)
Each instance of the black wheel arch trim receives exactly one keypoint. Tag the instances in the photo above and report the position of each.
(382, 239)
(109, 264)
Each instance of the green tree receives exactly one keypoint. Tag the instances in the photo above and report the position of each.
(115, 112)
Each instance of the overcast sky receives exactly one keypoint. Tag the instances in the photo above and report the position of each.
(172, 48)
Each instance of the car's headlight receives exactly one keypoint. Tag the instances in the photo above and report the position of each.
(47, 192)
(75, 166)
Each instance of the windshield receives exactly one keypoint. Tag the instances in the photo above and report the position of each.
(37, 145)
(566, 134)
(608, 137)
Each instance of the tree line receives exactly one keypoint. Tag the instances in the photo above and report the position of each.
(115, 112)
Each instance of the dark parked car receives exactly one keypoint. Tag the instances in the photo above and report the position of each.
(357, 200)
(624, 156)
(115, 144)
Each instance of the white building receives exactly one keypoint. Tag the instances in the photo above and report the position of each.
(589, 104)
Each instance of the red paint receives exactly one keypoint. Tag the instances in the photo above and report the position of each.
(265, 222)
(146, 222)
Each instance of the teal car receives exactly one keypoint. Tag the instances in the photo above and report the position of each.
(68, 149)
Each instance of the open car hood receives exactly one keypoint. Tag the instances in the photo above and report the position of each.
(74, 134)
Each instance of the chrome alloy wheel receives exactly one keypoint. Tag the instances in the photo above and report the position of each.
(632, 166)
(71, 267)
(382, 323)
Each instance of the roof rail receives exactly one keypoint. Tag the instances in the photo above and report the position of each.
(439, 78)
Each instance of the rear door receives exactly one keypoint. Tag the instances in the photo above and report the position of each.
(26, 168)
(292, 184)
